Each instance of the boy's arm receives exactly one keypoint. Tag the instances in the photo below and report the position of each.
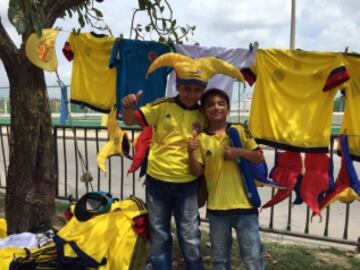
(195, 166)
(232, 153)
(128, 105)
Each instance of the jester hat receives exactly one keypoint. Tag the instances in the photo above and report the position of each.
(41, 51)
(286, 172)
(118, 144)
(141, 146)
(347, 185)
(318, 178)
(195, 71)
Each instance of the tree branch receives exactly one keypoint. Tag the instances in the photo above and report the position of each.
(8, 50)
(54, 9)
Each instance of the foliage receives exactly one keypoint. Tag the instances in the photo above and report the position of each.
(161, 22)
(28, 16)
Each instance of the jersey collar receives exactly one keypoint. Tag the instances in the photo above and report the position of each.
(211, 133)
(182, 105)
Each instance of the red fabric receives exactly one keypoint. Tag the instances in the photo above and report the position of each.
(141, 147)
(140, 118)
(342, 183)
(69, 55)
(315, 180)
(287, 169)
(336, 77)
(68, 214)
(141, 225)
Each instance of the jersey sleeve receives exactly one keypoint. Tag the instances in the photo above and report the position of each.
(247, 139)
(150, 112)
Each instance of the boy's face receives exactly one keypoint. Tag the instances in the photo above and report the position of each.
(216, 109)
(189, 94)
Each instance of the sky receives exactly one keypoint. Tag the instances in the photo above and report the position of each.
(321, 25)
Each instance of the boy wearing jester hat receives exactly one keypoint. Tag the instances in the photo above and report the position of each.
(170, 186)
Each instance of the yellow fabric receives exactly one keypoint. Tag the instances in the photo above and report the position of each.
(104, 118)
(223, 179)
(93, 83)
(41, 51)
(118, 144)
(351, 123)
(3, 228)
(38, 256)
(168, 157)
(7, 256)
(108, 235)
(201, 69)
(288, 104)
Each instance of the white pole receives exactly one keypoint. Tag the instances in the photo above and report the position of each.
(293, 21)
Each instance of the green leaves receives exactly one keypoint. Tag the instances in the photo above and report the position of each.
(161, 23)
(26, 15)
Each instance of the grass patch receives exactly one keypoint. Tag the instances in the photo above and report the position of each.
(282, 257)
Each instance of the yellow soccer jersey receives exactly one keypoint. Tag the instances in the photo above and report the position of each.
(223, 179)
(168, 159)
(293, 98)
(351, 123)
(93, 83)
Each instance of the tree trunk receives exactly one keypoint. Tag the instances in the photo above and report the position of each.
(31, 180)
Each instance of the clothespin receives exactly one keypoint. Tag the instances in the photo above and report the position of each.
(254, 46)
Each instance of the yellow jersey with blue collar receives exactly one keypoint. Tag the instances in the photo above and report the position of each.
(168, 159)
(223, 179)
(351, 124)
(292, 102)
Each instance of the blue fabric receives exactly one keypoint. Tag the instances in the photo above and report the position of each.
(64, 113)
(162, 199)
(353, 177)
(245, 170)
(251, 171)
(132, 59)
(248, 238)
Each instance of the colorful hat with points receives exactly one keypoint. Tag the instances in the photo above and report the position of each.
(195, 71)
(41, 51)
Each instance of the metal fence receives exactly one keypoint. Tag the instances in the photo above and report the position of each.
(340, 221)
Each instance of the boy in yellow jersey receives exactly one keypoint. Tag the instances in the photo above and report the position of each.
(170, 186)
(228, 205)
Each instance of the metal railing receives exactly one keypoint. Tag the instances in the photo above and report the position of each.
(340, 220)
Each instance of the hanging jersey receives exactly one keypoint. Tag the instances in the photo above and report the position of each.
(223, 179)
(132, 59)
(293, 98)
(351, 124)
(92, 81)
(240, 58)
(173, 124)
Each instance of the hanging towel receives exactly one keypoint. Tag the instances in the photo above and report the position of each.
(241, 58)
(64, 113)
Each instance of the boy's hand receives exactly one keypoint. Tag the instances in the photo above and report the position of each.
(193, 145)
(231, 153)
(129, 101)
